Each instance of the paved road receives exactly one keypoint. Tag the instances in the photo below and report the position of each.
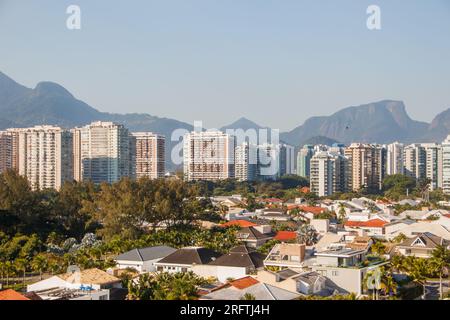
(432, 289)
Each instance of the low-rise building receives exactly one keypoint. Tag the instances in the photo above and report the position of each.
(421, 246)
(143, 260)
(285, 255)
(184, 259)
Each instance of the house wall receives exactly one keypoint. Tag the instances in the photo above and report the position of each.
(137, 265)
(222, 273)
(53, 282)
(346, 279)
(271, 278)
(172, 268)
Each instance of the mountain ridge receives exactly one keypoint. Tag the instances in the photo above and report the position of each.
(50, 103)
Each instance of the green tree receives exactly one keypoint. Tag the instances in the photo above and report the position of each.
(440, 261)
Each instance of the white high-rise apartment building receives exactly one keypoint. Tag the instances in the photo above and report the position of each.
(328, 173)
(394, 159)
(287, 159)
(246, 161)
(433, 164)
(45, 156)
(208, 156)
(415, 161)
(102, 152)
(148, 155)
(446, 165)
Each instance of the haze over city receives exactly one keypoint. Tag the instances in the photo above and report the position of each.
(218, 61)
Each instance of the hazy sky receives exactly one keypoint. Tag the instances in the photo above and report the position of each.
(276, 62)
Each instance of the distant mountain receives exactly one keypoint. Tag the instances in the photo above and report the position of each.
(439, 128)
(50, 103)
(242, 123)
(383, 122)
(319, 140)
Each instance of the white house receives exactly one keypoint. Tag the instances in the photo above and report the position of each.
(93, 282)
(182, 260)
(143, 260)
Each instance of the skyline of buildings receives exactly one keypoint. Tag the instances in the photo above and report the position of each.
(105, 152)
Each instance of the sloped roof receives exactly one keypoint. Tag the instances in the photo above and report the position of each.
(374, 223)
(192, 255)
(429, 240)
(241, 256)
(90, 276)
(252, 233)
(286, 235)
(10, 294)
(260, 291)
(313, 210)
(240, 223)
(146, 254)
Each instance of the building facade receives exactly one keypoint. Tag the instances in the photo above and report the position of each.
(246, 162)
(304, 156)
(148, 155)
(45, 156)
(208, 156)
(102, 153)
(394, 159)
(367, 166)
(328, 173)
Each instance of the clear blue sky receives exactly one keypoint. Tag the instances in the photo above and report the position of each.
(276, 62)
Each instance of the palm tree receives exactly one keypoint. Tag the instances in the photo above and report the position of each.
(342, 214)
(21, 264)
(10, 270)
(39, 263)
(397, 263)
(248, 296)
(418, 270)
(388, 284)
(440, 259)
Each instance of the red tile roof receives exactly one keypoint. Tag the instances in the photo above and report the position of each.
(374, 223)
(286, 235)
(244, 283)
(11, 295)
(240, 223)
(305, 190)
(313, 210)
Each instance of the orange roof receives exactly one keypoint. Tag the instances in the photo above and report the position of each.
(305, 190)
(374, 223)
(286, 235)
(240, 223)
(313, 210)
(244, 283)
(9, 294)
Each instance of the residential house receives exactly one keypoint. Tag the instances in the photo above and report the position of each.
(143, 260)
(89, 284)
(11, 295)
(238, 263)
(255, 236)
(374, 227)
(306, 283)
(286, 255)
(184, 259)
(421, 246)
(344, 268)
(237, 289)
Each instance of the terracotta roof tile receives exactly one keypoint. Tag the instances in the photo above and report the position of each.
(374, 223)
(9, 294)
(286, 235)
(240, 223)
(244, 283)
